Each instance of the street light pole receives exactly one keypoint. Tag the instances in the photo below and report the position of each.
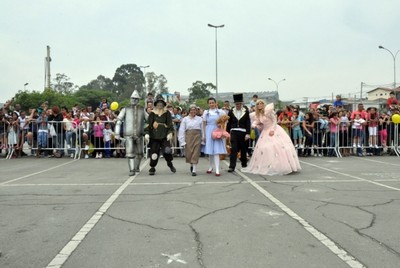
(216, 56)
(144, 72)
(277, 84)
(394, 64)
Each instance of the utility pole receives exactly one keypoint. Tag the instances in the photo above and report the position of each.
(47, 76)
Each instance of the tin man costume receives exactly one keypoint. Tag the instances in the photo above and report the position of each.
(133, 118)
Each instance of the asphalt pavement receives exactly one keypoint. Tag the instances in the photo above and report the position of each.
(336, 212)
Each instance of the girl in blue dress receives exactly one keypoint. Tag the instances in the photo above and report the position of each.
(213, 147)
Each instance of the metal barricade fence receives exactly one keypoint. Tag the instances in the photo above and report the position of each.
(83, 141)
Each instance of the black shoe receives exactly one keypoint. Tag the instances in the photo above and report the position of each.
(137, 170)
(152, 171)
(231, 169)
(194, 174)
(132, 173)
(173, 169)
(245, 165)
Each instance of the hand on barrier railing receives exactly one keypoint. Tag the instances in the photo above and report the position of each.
(169, 137)
(146, 138)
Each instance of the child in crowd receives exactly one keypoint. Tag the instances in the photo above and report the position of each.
(13, 132)
(43, 130)
(296, 130)
(98, 127)
(382, 130)
(373, 127)
(107, 133)
(285, 122)
(357, 128)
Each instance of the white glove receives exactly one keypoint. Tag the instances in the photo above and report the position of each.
(146, 138)
(169, 137)
(247, 137)
(117, 136)
(183, 144)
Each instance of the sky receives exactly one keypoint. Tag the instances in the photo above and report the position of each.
(321, 48)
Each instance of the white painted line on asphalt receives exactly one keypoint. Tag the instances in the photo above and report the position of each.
(192, 183)
(377, 161)
(62, 184)
(36, 173)
(352, 176)
(66, 252)
(341, 253)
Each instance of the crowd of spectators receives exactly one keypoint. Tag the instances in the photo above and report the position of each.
(328, 130)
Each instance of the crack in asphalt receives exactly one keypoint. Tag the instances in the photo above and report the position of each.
(359, 230)
(199, 248)
(139, 223)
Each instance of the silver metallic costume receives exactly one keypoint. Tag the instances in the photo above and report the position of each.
(133, 118)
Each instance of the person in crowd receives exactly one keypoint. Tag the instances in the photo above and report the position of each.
(382, 130)
(274, 153)
(150, 100)
(13, 131)
(3, 130)
(363, 115)
(64, 111)
(107, 134)
(23, 120)
(239, 128)
(308, 127)
(176, 121)
(343, 133)
(159, 135)
(373, 119)
(227, 107)
(296, 130)
(70, 128)
(318, 135)
(338, 103)
(284, 122)
(253, 100)
(392, 101)
(98, 127)
(357, 129)
(190, 136)
(56, 118)
(334, 122)
(213, 147)
(104, 104)
(130, 123)
(42, 134)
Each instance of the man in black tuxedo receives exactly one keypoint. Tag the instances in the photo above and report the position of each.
(239, 128)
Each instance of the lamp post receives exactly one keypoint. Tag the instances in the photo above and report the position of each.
(25, 85)
(394, 64)
(216, 56)
(144, 72)
(277, 84)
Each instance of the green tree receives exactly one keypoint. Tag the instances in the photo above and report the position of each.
(127, 78)
(33, 99)
(161, 85)
(100, 83)
(151, 80)
(200, 90)
(63, 85)
(93, 96)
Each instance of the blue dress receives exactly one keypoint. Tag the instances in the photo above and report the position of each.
(213, 147)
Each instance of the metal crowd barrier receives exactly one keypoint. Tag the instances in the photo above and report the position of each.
(82, 141)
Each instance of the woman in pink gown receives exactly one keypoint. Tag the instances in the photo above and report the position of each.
(274, 153)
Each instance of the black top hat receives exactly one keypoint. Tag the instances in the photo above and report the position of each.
(160, 100)
(237, 97)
